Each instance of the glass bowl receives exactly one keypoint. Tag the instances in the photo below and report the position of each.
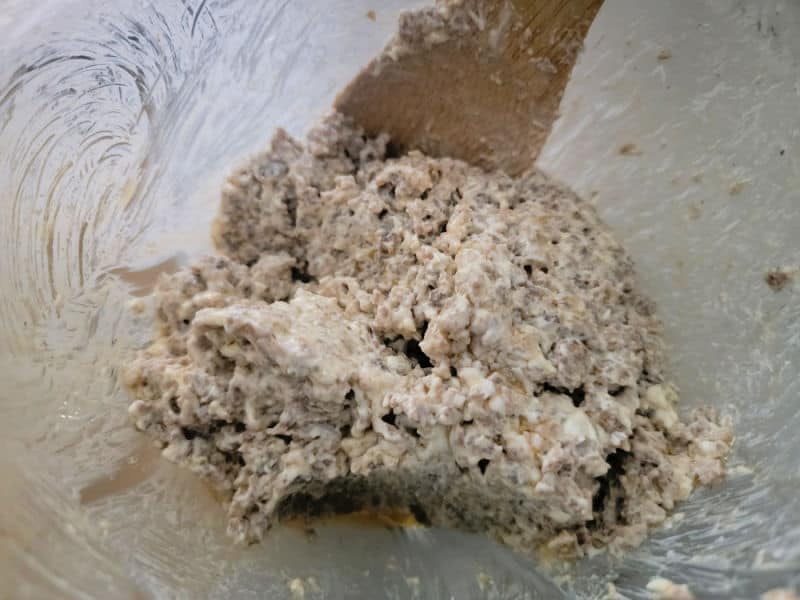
(118, 124)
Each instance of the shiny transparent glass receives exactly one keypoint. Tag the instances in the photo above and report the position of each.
(118, 123)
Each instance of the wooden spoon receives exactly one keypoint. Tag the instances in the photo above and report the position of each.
(479, 80)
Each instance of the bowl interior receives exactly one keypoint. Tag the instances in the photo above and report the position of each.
(118, 124)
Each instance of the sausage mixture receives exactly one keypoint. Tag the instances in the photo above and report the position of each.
(390, 331)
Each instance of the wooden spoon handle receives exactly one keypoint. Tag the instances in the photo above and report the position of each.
(479, 80)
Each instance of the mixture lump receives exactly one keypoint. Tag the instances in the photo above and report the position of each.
(387, 331)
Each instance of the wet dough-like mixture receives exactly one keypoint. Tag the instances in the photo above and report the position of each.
(405, 331)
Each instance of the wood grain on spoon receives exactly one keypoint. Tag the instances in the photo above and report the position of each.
(486, 90)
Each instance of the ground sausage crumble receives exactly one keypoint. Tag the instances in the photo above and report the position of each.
(390, 331)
